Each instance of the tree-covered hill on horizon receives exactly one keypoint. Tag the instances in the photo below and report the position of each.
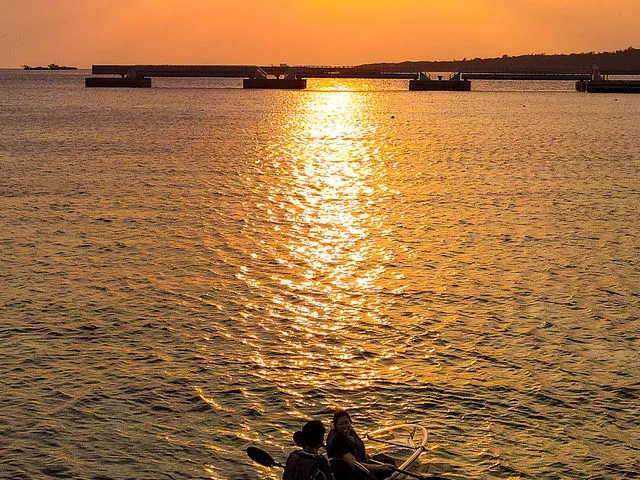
(619, 62)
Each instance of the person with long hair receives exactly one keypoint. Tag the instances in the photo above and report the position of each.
(347, 454)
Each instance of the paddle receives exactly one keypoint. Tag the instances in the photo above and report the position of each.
(262, 457)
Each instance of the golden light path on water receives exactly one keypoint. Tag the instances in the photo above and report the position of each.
(320, 220)
(326, 200)
(330, 318)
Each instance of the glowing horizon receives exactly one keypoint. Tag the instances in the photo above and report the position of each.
(336, 32)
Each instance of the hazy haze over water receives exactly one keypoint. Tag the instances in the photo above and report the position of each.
(195, 268)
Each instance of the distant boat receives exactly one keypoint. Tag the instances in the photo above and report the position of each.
(51, 66)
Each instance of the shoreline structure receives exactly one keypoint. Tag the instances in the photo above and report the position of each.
(592, 72)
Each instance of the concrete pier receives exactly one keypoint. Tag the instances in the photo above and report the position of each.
(294, 77)
(454, 83)
(608, 86)
(269, 77)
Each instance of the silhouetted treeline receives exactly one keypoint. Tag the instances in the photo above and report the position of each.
(618, 62)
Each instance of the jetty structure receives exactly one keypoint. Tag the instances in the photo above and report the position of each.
(600, 83)
(608, 86)
(288, 77)
(271, 77)
(455, 82)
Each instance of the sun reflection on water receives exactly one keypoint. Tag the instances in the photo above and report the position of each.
(331, 180)
(324, 190)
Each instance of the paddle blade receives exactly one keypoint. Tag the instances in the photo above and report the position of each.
(261, 457)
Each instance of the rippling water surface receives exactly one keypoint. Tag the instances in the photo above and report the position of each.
(195, 268)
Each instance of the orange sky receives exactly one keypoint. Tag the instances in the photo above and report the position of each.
(313, 32)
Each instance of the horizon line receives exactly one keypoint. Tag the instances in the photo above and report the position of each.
(464, 59)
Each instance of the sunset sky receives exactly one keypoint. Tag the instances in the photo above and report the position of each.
(312, 32)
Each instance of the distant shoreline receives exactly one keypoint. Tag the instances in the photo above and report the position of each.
(627, 61)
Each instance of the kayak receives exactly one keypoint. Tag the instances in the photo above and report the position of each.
(404, 443)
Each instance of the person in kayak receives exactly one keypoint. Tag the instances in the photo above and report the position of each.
(348, 454)
(308, 464)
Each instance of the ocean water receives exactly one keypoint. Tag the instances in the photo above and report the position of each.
(194, 268)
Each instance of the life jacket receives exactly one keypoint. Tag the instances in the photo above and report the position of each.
(354, 440)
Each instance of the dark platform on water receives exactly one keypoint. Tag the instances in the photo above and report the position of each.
(440, 85)
(117, 82)
(275, 83)
(609, 86)
(295, 77)
(254, 76)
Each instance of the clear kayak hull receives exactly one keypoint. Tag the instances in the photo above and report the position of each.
(405, 443)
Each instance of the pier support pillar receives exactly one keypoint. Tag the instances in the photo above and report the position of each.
(129, 80)
(608, 86)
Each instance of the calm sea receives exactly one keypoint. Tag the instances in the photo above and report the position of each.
(195, 268)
